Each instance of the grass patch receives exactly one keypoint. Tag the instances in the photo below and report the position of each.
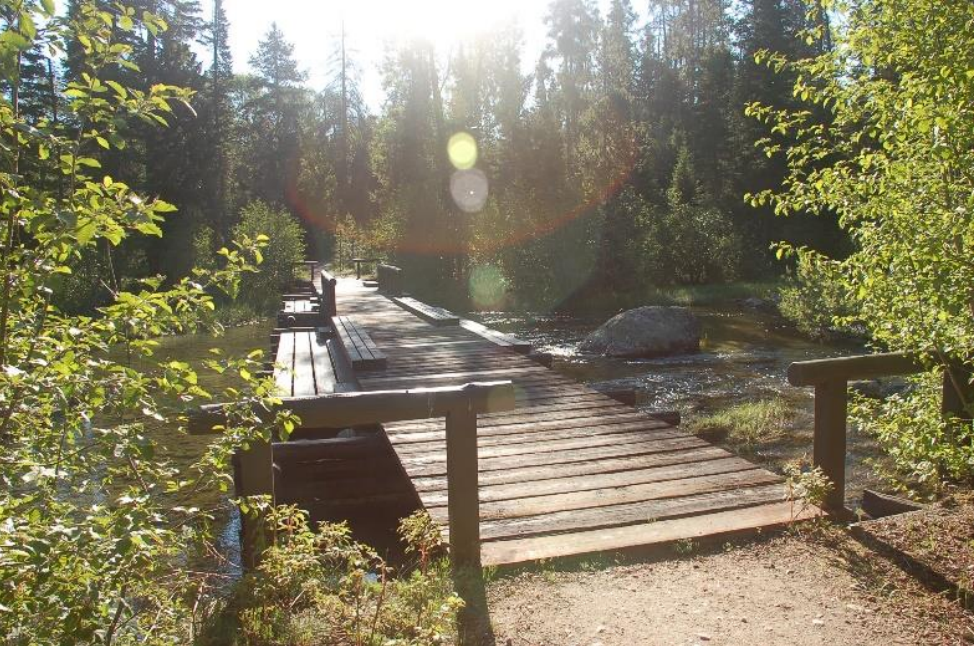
(747, 426)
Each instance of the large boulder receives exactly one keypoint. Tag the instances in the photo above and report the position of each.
(649, 331)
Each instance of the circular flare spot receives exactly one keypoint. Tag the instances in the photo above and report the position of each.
(462, 149)
(487, 286)
(469, 189)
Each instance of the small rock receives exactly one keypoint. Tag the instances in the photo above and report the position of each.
(818, 622)
(704, 637)
(599, 630)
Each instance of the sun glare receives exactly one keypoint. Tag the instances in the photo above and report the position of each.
(442, 22)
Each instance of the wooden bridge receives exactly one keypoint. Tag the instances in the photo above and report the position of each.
(539, 468)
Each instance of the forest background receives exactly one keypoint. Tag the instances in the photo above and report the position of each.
(618, 165)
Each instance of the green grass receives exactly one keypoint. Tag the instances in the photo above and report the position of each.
(749, 425)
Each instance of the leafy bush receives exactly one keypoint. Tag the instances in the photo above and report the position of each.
(925, 450)
(883, 139)
(285, 247)
(815, 300)
(95, 529)
(322, 587)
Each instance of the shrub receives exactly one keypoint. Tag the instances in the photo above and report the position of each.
(322, 587)
(815, 300)
(924, 449)
(285, 247)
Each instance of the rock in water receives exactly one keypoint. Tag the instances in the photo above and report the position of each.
(649, 331)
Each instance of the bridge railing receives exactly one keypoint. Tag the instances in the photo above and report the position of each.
(831, 378)
(390, 279)
(329, 307)
(460, 405)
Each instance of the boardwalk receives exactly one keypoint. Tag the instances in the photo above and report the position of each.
(570, 471)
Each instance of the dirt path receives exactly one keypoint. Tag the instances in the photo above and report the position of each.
(827, 590)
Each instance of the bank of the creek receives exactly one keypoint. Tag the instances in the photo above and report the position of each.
(744, 356)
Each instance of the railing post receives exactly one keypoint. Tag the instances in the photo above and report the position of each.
(462, 487)
(256, 478)
(830, 437)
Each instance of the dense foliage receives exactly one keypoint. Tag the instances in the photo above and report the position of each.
(895, 160)
(284, 248)
(95, 529)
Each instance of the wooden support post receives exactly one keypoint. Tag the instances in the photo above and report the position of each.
(830, 437)
(256, 478)
(462, 486)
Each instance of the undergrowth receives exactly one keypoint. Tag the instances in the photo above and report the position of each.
(319, 587)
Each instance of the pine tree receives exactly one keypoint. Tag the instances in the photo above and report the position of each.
(275, 105)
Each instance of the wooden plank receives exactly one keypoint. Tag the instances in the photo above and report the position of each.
(640, 535)
(546, 409)
(284, 372)
(324, 370)
(578, 500)
(304, 375)
(592, 428)
(437, 316)
(523, 425)
(383, 383)
(436, 466)
(630, 514)
(595, 482)
(578, 470)
(533, 446)
(495, 337)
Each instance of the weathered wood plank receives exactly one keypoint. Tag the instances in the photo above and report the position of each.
(436, 466)
(361, 351)
(304, 375)
(713, 524)
(284, 372)
(430, 313)
(629, 514)
(593, 482)
(495, 337)
(578, 470)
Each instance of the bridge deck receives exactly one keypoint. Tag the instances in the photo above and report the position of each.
(570, 471)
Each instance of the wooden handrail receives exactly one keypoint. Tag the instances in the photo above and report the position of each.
(866, 366)
(458, 404)
(831, 378)
(336, 410)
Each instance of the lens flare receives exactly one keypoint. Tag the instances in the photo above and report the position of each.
(469, 189)
(487, 287)
(462, 149)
